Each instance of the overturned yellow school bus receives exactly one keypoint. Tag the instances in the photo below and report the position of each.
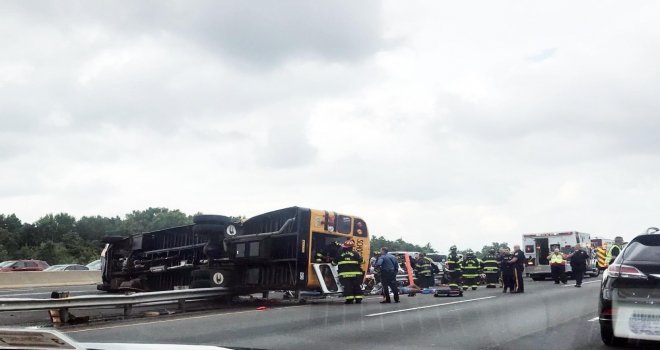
(271, 251)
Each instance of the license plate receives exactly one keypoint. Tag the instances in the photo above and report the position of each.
(638, 323)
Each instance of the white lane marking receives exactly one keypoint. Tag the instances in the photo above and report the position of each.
(573, 285)
(428, 306)
(176, 319)
(593, 319)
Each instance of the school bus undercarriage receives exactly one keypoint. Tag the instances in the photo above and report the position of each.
(268, 252)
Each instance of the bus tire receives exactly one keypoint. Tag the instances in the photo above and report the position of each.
(200, 274)
(211, 219)
(200, 284)
(537, 278)
(208, 229)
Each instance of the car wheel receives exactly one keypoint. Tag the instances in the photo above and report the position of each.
(211, 219)
(607, 335)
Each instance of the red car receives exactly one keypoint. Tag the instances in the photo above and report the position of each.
(23, 265)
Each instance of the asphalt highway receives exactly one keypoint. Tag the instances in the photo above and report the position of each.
(546, 316)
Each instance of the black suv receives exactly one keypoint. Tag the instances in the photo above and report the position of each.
(629, 303)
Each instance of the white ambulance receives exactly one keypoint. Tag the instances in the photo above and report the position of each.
(537, 247)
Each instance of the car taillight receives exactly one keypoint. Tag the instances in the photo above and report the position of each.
(608, 312)
(625, 271)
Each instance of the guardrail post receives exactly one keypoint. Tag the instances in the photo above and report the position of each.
(59, 316)
(182, 304)
(127, 310)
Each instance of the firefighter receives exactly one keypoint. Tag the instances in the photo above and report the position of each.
(453, 269)
(471, 266)
(500, 254)
(327, 254)
(615, 249)
(491, 269)
(424, 271)
(350, 272)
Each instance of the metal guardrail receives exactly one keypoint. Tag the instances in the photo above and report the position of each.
(126, 301)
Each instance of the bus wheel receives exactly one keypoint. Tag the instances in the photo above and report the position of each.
(208, 229)
(211, 219)
(200, 284)
(537, 278)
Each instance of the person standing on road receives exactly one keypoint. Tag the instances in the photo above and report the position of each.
(471, 266)
(388, 269)
(558, 266)
(453, 269)
(500, 254)
(518, 263)
(491, 269)
(578, 264)
(615, 249)
(424, 271)
(507, 271)
(350, 273)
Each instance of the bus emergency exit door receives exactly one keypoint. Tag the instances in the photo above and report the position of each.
(328, 278)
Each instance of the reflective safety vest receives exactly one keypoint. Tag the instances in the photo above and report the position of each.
(601, 258)
(557, 260)
(453, 263)
(614, 251)
(348, 264)
(423, 267)
(490, 264)
(471, 267)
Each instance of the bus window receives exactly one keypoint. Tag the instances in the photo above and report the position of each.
(360, 228)
(529, 249)
(330, 221)
(344, 224)
(329, 279)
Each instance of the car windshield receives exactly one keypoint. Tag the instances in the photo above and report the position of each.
(642, 251)
(56, 268)
(7, 263)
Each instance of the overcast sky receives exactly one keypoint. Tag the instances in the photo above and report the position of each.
(453, 122)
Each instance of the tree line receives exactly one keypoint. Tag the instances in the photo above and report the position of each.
(63, 239)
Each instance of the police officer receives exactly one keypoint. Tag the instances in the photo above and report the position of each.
(453, 268)
(518, 263)
(424, 271)
(389, 267)
(491, 269)
(507, 271)
(615, 249)
(579, 260)
(471, 266)
(350, 272)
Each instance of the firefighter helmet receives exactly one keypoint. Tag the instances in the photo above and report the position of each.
(348, 244)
